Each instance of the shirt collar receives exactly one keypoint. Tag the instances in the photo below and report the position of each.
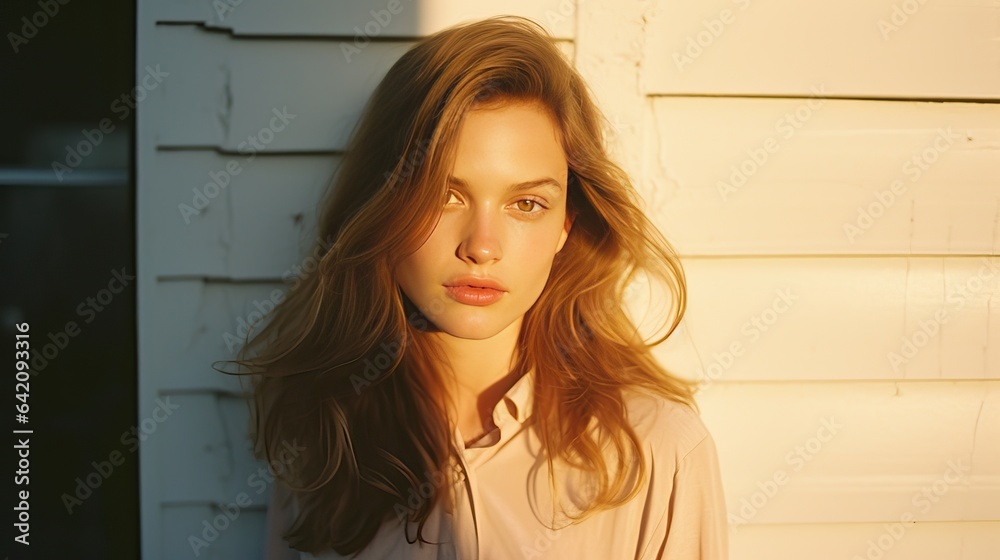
(521, 396)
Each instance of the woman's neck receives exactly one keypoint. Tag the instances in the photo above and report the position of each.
(482, 374)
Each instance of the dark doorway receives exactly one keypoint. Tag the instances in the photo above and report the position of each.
(67, 251)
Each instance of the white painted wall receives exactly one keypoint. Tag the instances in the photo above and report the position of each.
(756, 131)
(826, 439)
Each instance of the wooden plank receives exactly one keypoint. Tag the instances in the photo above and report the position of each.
(914, 541)
(857, 452)
(821, 461)
(747, 320)
(260, 96)
(208, 453)
(212, 214)
(858, 48)
(817, 459)
(833, 319)
(150, 471)
(186, 535)
(225, 92)
(200, 324)
(609, 58)
(204, 462)
(391, 18)
(814, 176)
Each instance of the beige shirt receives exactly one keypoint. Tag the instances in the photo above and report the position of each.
(504, 505)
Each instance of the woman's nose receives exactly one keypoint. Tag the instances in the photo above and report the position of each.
(481, 241)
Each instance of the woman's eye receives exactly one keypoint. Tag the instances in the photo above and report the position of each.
(527, 205)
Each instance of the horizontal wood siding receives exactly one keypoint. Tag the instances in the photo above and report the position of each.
(832, 187)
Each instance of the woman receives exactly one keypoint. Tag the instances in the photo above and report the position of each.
(459, 374)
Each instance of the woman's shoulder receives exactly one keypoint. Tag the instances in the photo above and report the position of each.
(670, 429)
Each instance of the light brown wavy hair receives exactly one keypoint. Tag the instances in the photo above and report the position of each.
(343, 367)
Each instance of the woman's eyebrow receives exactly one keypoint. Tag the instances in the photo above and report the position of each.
(544, 181)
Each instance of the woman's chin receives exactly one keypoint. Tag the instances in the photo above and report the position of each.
(472, 328)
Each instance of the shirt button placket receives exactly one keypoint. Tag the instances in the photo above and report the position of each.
(467, 537)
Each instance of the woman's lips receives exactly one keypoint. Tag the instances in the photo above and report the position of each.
(471, 295)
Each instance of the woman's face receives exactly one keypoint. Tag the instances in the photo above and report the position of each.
(505, 220)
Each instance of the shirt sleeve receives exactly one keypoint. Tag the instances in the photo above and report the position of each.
(696, 514)
(279, 519)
